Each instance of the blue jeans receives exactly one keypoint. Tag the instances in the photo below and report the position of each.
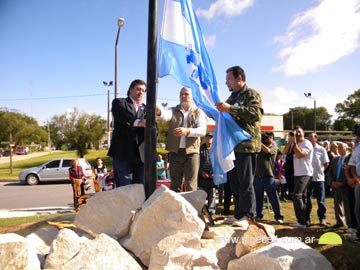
(126, 173)
(316, 189)
(266, 184)
(241, 180)
(357, 208)
(299, 197)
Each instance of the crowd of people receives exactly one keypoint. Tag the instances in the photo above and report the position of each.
(302, 170)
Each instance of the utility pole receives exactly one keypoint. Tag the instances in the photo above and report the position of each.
(150, 129)
(108, 84)
(308, 95)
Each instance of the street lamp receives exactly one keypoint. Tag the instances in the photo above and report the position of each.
(108, 84)
(164, 104)
(120, 23)
(308, 95)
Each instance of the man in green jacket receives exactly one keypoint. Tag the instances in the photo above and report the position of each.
(245, 106)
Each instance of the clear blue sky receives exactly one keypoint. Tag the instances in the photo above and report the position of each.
(54, 54)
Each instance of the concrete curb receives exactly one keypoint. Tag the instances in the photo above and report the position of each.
(25, 212)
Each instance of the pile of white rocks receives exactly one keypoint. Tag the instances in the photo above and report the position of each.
(119, 229)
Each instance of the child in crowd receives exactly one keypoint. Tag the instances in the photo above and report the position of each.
(100, 171)
(109, 182)
(279, 173)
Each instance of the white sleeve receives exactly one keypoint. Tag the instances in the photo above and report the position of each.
(165, 115)
(352, 161)
(200, 130)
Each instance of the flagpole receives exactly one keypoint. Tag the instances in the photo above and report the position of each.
(150, 129)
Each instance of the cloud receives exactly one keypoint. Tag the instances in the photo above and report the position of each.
(280, 100)
(210, 41)
(225, 7)
(320, 36)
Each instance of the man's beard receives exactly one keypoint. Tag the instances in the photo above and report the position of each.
(185, 103)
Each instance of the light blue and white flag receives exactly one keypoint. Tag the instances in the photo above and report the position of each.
(183, 55)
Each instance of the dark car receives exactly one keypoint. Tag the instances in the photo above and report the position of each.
(53, 170)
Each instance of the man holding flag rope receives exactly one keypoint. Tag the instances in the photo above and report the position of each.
(245, 106)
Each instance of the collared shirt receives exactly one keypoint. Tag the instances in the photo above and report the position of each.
(320, 158)
(137, 106)
(198, 130)
(355, 158)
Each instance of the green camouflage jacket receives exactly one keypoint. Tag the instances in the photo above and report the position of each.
(246, 109)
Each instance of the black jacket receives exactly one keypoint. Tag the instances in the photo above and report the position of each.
(126, 138)
(205, 166)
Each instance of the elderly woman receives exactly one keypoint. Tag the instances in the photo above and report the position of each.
(76, 173)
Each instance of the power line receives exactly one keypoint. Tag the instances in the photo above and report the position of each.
(47, 98)
(72, 96)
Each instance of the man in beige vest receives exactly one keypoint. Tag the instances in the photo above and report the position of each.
(187, 124)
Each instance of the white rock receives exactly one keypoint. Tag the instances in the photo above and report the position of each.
(164, 213)
(66, 245)
(252, 239)
(197, 198)
(103, 252)
(110, 212)
(181, 251)
(41, 240)
(285, 253)
(16, 253)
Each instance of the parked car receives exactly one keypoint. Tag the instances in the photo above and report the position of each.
(53, 170)
(6, 153)
(21, 150)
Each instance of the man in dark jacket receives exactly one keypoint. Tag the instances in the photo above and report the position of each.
(206, 176)
(128, 135)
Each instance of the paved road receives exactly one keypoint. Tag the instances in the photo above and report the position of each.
(18, 199)
(22, 157)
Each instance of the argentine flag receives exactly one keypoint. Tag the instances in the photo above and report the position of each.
(183, 55)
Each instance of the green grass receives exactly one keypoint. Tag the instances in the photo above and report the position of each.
(9, 222)
(287, 210)
(36, 161)
(342, 257)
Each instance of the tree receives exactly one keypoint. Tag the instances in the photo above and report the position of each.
(162, 129)
(97, 125)
(343, 124)
(24, 129)
(77, 130)
(305, 118)
(349, 112)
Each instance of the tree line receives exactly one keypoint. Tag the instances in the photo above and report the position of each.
(70, 131)
(348, 110)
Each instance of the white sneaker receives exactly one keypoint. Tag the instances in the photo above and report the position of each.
(280, 221)
(229, 220)
(350, 230)
(298, 225)
(241, 223)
